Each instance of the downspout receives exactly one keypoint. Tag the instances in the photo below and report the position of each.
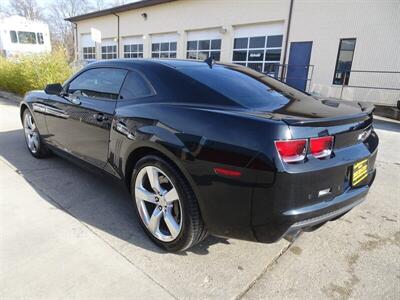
(287, 38)
(117, 34)
(76, 40)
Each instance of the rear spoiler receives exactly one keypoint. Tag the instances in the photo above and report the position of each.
(323, 122)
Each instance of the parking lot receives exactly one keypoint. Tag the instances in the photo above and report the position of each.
(67, 233)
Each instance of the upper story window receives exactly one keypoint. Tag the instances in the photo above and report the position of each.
(40, 38)
(109, 52)
(261, 53)
(133, 51)
(203, 49)
(344, 61)
(89, 52)
(99, 83)
(13, 36)
(163, 50)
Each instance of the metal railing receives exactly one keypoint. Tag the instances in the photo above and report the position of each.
(349, 81)
(280, 72)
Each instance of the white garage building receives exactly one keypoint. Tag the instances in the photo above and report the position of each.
(345, 49)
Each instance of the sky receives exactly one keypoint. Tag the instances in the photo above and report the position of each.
(45, 3)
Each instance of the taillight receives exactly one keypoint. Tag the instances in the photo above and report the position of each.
(321, 147)
(292, 150)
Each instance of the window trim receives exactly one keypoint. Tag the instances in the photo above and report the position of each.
(67, 84)
(337, 59)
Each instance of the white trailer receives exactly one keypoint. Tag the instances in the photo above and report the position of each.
(20, 36)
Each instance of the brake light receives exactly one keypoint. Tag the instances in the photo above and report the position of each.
(321, 147)
(292, 150)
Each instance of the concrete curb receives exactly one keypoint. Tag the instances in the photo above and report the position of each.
(10, 96)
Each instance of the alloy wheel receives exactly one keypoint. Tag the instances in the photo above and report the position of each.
(31, 134)
(158, 203)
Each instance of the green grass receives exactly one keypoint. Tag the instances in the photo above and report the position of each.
(33, 72)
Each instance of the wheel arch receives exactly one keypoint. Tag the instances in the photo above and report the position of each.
(22, 109)
(136, 154)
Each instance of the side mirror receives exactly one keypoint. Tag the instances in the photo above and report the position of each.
(54, 89)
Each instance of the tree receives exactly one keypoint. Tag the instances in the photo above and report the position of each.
(63, 31)
(25, 8)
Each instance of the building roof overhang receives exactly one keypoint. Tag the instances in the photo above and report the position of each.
(117, 9)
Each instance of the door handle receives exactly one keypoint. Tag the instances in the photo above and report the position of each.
(100, 117)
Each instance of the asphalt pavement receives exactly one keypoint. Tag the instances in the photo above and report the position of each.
(67, 233)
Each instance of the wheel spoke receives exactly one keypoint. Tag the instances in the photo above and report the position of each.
(154, 222)
(145, 195)
(152, 173)
(172, 225)
(35, 141)
(171, 196)
(30, 143)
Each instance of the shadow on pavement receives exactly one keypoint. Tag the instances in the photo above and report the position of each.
(93, 199)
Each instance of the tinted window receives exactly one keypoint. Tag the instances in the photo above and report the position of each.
(204, 45)
(344, 61)
(40, 38)
(240, 43)
(238, 86)
(274, 41)
(216, 44)
(257, 42)
(273, 55)
(13, 36)
(192, 45)
(136, 86)
(26, 37)
(101, 83)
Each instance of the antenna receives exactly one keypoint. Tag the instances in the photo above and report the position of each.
(209, 61)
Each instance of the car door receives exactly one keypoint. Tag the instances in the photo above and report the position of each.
(80, 121)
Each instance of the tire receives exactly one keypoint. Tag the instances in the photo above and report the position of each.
(185, 210)
(33, 139)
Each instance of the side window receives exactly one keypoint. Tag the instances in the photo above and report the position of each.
(13, 35)
(100, 83)
(344, 61)
(40, 38)
(136, 86)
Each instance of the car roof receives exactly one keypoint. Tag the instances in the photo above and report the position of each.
(130, 62)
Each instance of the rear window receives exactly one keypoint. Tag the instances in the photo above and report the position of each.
(238, 86)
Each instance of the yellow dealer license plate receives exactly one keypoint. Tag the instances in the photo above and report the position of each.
(360, 172)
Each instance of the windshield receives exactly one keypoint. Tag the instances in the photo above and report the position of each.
(245, 88)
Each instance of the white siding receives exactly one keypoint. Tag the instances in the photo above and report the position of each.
(375, 25)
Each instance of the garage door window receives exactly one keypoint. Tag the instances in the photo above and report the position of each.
(203, 49)
(133, 51)
(109, 52)
(261, 53)
(163, 50)
(89, 52)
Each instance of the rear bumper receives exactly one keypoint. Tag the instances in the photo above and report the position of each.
(294, 221)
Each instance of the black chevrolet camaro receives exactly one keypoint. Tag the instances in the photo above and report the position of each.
(208, 148)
